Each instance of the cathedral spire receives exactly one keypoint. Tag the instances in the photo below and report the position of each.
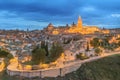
(79, 17)
(79, 24)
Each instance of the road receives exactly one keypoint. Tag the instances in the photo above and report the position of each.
(13, 66)
(92, 58)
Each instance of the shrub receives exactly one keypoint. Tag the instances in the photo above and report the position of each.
(55, 52)
(81, 56)
(3, 53)
(98, 51)
(38, 56)
(10, 56)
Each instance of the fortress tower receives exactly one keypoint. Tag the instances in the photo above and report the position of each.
(79, 24)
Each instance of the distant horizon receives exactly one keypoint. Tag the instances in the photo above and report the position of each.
(39, 28)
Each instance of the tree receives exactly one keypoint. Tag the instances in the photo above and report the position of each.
(95, 42)
(38, 56)
(81, 56)
(10, 56)
(45, 46)
(6, 55)
(67, 41)
(55, 52)
(118, 43)
(42, 44)
(98, 51)
(3, 53)
(109, 46)
(106, 41)
(46, 49)
(88, 48)
(114, 45)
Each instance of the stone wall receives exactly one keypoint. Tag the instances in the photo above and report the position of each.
(69, 69)
(54, 72)
(50, 73)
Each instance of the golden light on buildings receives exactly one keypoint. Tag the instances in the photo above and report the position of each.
(27, 67)
(20, 67)
(14, 60)
(76, 28)
(105, 31)
(55, 32)
(79, 24)
(43, 66)
(2, 66)
(62, 56)
(83, 29)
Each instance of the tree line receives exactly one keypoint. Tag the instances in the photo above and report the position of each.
(41, 54)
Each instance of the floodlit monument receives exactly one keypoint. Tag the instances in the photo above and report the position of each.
(74, 28)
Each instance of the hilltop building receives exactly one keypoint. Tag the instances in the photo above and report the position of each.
(74, 28)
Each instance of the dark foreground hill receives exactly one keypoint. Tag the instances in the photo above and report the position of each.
(104, 69)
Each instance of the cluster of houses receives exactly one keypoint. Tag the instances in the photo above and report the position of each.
(21, 43)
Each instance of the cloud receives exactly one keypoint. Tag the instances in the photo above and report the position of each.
(28, 12)
(115, 15)
(59, 7)
(88, 8)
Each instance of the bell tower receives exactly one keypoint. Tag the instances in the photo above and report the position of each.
(79, 24)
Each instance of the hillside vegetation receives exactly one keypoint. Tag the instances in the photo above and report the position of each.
(104, 69)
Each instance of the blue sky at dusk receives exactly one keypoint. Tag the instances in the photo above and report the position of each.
(36, 14)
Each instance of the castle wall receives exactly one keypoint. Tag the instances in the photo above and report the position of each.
(53, 72)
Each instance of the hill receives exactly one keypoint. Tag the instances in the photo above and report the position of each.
(104, 69)
(107, 68)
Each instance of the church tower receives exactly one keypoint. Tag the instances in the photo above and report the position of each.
(79, 24)
(50, 27)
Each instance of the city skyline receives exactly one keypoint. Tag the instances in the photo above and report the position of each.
(36, 14)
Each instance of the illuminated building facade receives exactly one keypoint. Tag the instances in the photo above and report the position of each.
(75, 28)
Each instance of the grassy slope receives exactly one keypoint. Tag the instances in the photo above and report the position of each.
(103, 69)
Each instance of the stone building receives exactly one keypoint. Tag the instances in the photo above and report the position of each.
(74, 28)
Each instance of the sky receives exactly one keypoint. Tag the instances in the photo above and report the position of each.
(37, 14)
